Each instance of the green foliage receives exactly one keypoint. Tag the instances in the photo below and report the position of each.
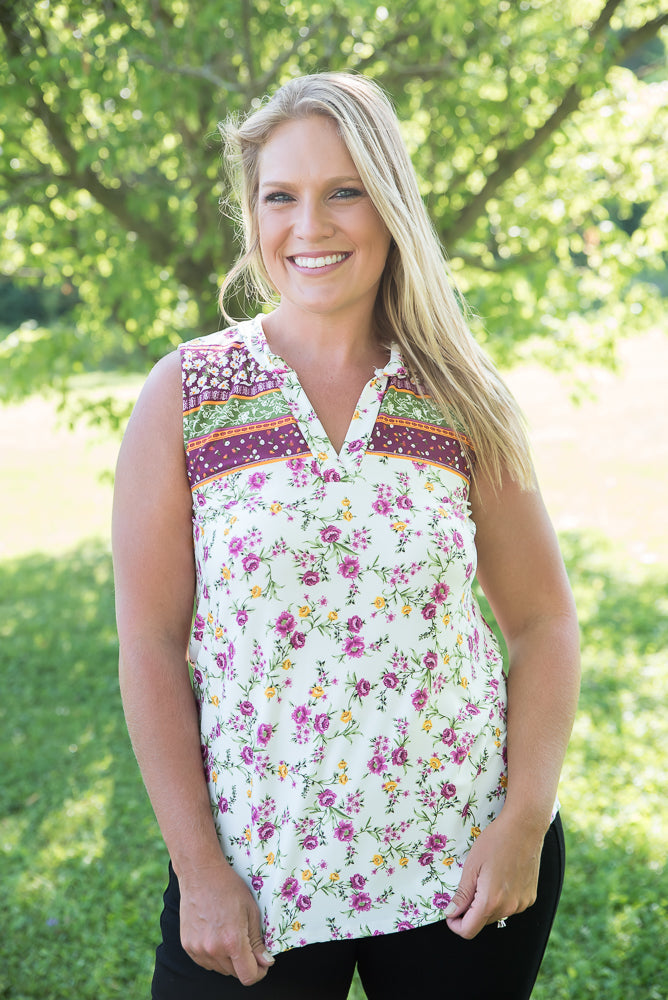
(538, 131)
(83, 865)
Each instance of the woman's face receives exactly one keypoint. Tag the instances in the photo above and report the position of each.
(323, 243)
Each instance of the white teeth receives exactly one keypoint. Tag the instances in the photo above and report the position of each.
(314, 262)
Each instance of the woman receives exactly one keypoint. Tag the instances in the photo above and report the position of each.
(353, 779)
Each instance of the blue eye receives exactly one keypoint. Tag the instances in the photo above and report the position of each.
(277, 198)
(345, 193)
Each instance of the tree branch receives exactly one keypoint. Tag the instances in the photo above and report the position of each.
(509, 161)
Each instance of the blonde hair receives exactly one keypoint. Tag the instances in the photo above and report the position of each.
(416, 306)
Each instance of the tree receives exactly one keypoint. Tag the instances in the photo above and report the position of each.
(536, 129)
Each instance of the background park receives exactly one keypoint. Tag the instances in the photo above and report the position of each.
(538, 130)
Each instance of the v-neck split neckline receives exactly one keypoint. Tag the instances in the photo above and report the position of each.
(365, 414)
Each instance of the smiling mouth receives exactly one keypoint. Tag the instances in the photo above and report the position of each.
(314, 263)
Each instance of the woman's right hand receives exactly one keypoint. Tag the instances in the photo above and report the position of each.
(220, 924)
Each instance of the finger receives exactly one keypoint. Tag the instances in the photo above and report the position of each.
(252, 959)
(464, 895)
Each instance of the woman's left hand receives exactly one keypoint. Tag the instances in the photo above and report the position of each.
(499, 878)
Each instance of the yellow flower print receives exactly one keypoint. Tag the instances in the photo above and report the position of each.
(209, 618)
(403, 862)
(287, 663)
(342, 765)
(379, 603)
(218, 633)
(448, 862)
(247, 833)
(296, 926)
(226, 573)
(446, 659)
(460, 639)
(429, 486)
(256, 591)
(347, 516)
(270, 858)
(503, 781)
(399, 526)
(343, 780)
(346, 716)
(214, 700)
(304, 611)
(322, 455)
(317, 691)
(345, 502)
(378, 860)
(464, 682)
(334, 877)
(427, 725)
(282, 771)
(214, 776)
(406, 610)
(435, 764)
(389, 786)
(270, 692)
(276, 508)
(307, 874)
(333, 616)
(475, 831)
(446, 619)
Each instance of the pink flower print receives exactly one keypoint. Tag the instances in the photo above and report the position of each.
(399, 756)
(331, 476)
(330, 533)
(390, 680)
(360, 901)
(297, 640)
(355, 623)
(264, 731)
(458, 540)
(247, 755)
(285, 623)
(201, 499)
(199, 627)
(436, 842)
(448, 736)
(363, 687)
(290, 888)
(426, 859)
(236, 546)
(419, 699)
(223, 804)
(242, 617)
(356, 445)
(405, 925)
(381, 506)
(377, 764)
(404, 502)
(246, 708)
(221, 661)
(303, 903)
(430, 660)
(257, 480)
(441, 900)
(472, 709)
(295, 464)
(350, 567)
(354, 646)
(250, 562)
(300, 715)
(310, 842)
(439, 592)
(266, 831)
(321, 723)
(311, 578)
(345, 831)
(448, 790)
(327, 798)
(429, 611)
(257, 882)
(459, 755)
(197, 676)
(469, 571)
(357, 882)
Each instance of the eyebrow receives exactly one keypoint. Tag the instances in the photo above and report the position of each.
(333, 181)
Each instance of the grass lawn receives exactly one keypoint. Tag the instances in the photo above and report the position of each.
(82, 864)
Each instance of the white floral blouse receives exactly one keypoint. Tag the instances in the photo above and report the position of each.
(351, 696)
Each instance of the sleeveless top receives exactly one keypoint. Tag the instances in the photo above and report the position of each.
(351, 696)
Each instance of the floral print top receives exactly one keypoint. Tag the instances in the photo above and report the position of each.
(351, 696)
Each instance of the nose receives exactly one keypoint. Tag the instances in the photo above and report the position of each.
(313, 221)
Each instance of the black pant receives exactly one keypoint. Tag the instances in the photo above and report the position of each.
(430, 961)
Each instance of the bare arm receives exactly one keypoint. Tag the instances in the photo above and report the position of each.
(155, 582)
(522, 574)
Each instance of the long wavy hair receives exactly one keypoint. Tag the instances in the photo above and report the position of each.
(417, 306)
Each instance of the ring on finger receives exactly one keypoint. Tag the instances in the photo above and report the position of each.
(501, 922)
